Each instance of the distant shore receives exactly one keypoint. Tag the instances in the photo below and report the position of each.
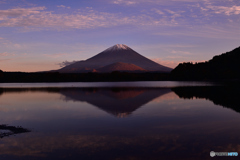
(45, 77)
(23, 77)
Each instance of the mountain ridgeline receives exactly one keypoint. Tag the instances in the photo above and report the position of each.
(220, 67)
(121, 63)
(116, 58)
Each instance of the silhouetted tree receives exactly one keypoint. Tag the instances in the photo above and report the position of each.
(1, 73)
(224, 66)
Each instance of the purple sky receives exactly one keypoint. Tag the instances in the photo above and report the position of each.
(37, 35)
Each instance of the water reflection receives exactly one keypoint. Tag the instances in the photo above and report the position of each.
(119, 102)
(122, 102)
(6, 130)
(227, 96)
(162, 125)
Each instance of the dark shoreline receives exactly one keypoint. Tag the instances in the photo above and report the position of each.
(23, 77)
(54, 77)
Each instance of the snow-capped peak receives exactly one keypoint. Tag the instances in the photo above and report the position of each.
(118, 47)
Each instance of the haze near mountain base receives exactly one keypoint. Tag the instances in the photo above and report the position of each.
(119, 57)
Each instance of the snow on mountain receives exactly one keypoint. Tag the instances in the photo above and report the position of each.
(118, 47)
(117, 53)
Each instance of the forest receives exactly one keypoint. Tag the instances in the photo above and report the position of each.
(221, 67)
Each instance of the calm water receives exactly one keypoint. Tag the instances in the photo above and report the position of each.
(161, 120)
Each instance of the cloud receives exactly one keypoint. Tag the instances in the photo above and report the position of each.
(133, 2)
(19, 12)
(2, 1)
(158, 11)
(6, 54)
(218, 7)
(206, 31)
(180, 52)
(125, 2)
(66, 63)
(37, 18)
(233, 10)
(169, 11)
(1, 60)
(4, 42)
(32, 17)
(168, 63)
(174, 61)
(62, 6)
(206, 5)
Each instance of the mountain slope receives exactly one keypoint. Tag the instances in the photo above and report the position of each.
(114, 54)
(120, 66)
(224, 66)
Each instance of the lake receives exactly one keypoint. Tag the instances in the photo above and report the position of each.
(118, 120)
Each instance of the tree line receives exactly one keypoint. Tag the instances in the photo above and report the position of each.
(221, 67)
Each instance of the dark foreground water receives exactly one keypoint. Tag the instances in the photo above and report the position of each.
(118, 121)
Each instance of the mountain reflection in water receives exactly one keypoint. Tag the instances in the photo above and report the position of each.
(173, 123)
(119, 102)
(122, 102)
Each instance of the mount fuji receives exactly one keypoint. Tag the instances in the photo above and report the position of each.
(119, 57)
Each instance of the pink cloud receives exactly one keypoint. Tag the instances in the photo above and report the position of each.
(171, 64)
(180, 52)
(20, 12)
(37, 18)
(158, 11)
(133, 2)
(62, 6)
(1, 60)
(2, 1)
(225, 10)
(6, 54)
